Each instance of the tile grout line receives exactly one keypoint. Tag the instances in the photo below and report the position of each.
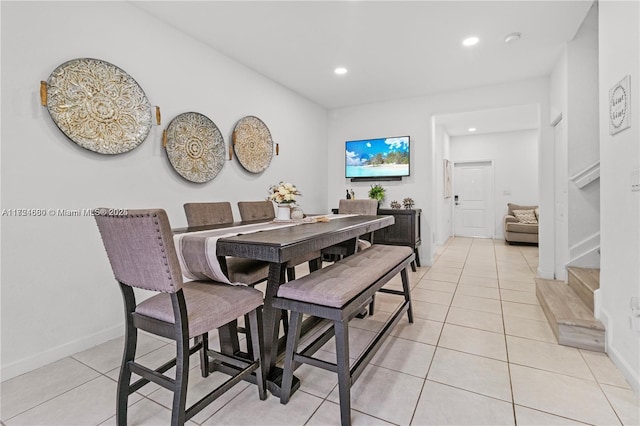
(506, 348)
(601, 389)
(62, 393)
(56, 396)
(545, 370)
(444, 320)
(326, 398)
(426, 376)
(469, 254)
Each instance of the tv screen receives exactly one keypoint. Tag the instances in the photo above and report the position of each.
(377, 158)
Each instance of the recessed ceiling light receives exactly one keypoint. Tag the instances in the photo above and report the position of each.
(470, 41)
(340, 70)
(512, 38)
(472, 129)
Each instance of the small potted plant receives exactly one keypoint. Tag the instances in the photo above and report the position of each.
(377, 193)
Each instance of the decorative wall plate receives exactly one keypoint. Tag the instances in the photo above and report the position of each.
(195, 147)
(98, 106)
(252, 144)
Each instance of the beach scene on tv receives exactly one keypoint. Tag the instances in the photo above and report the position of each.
(377, 157)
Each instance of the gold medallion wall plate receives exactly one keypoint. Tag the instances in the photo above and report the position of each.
(195, 147)
(98, 106)
(252, 144)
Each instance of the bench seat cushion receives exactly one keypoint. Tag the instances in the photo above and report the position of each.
(337, 284)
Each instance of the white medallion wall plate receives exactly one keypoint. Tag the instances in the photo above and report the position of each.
(98, 106)
(252, 144)
(195, 147)
(620, 106)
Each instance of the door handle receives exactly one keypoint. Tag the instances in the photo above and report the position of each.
(455, 200)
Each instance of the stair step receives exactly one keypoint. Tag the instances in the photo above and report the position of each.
(584, 281)
(589, 276)
(571, 320)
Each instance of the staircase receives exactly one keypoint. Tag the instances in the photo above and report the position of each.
(569, 308)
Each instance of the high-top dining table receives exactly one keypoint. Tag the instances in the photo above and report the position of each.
(271, 243)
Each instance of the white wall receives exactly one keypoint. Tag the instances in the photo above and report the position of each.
(583, 142)
(58, 292)
(574, 96)
(558, 88)
(444, 223)
(553, 228)
(413, 117)
(515, 166)
(619, 44)
(558, 170)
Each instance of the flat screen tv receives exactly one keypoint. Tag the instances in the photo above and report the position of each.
(382, 159)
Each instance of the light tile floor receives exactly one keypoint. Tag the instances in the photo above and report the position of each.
(479, 353)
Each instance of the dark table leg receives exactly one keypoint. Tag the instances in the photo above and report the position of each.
(272, 315)
(228, 333)
(271, 319)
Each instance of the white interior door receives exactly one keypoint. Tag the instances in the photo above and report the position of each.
(472, 199)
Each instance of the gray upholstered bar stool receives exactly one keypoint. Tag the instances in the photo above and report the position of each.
(263, 210)
(367, 207)
(248, 271)
(142, 254)
(256, 210)
(200, 214)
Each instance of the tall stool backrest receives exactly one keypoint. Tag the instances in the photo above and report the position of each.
(256, 210)
(201, 214)
(367, 207)
(140, 249)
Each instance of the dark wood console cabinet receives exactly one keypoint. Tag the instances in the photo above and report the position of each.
(405, 231)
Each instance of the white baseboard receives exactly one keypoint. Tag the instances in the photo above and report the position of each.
(548, 275)
(424, 261)
(597, 303)
(627, 370)
(54, 354)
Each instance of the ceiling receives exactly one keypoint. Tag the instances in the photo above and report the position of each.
(392, 49)
(494, 120)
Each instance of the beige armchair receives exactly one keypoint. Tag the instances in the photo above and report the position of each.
(521, 224)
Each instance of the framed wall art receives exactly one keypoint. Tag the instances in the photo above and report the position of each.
(253, 144)
(97, 105)
(447, 178)
(620, 106)
(195, 147)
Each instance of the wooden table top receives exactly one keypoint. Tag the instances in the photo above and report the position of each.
(283, 244)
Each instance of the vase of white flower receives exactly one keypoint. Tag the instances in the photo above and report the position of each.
(284, 212)
(284, 194)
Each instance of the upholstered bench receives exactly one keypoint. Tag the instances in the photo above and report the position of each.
(337, 293)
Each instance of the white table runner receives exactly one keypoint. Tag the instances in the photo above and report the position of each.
(197, 250)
